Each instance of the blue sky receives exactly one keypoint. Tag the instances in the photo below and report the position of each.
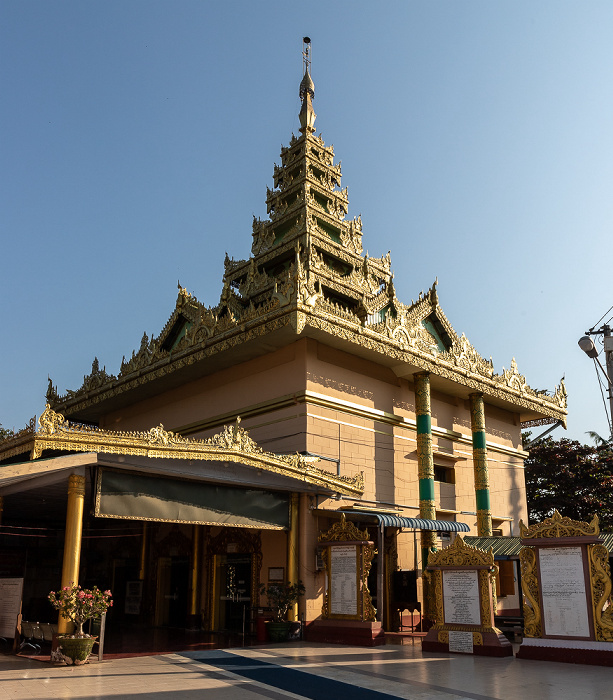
(138, 137)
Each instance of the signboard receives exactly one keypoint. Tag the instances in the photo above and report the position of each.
(134, 595)
(461, 642)
(343, 580)
(11, 590)
(461, 600)
(565, 611)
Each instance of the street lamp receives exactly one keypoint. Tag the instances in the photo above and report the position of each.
(589, 348)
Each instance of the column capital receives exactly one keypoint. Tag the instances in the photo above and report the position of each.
(76, 484)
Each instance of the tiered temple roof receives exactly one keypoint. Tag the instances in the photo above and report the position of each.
(307, 277)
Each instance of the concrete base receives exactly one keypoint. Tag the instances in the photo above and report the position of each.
(567, 651)
(363, 634)
(494, 644)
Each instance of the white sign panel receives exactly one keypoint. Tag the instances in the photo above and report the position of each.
(343, 580)
(565, 612)
(11, 590)
(461, 642)
(461, 598)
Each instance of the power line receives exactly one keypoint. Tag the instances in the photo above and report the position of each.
(599, 380)
(600, 319)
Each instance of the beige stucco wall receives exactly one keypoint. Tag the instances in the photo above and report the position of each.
(356, 412)
(228, 391)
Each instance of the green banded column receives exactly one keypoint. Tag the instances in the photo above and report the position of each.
(482, 479)
(425, 462)
(425, 473)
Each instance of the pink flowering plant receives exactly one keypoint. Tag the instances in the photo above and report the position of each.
(80, 604)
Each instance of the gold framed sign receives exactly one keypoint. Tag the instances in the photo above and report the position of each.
(347, 558)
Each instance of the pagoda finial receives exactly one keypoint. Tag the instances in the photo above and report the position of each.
(307, 90)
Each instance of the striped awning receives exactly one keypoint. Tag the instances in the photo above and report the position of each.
(502, 547)
(388, 520)
(505, 547)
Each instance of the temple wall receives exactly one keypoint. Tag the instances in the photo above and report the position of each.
(228, 391)
(361, 417)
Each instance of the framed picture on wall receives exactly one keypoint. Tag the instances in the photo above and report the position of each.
(276, 574)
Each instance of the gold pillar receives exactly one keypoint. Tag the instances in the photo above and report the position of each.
(195, 573)
(72, 539)
(143, 552)
(213, 597)
(482, 479)
(292, 549)
(305, 554)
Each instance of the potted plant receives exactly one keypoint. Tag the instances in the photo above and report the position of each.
(281, 596)
(78, 604)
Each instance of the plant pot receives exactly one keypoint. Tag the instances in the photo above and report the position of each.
(278, 631)
(76, 650)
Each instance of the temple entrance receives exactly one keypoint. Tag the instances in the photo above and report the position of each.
(234, 574)
(234, 561)
(172, 592)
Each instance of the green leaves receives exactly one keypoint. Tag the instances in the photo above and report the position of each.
(78, 604)
(575, 479)
(281, 596)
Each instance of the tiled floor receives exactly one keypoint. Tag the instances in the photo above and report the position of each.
(400, 671)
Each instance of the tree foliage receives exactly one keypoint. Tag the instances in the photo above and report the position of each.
(5, 433)
(574, 479)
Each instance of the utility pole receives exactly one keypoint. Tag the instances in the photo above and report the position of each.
(588, 347)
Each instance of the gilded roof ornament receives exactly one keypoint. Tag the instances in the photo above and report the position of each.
(343, 531)
(559, 526)
(460, 554)
(232, 444)
(307, 91)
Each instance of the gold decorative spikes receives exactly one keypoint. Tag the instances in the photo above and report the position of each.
(308, 273)
(234, 438)
(600, 577)
(558, 526)
(233, 444)
(343, 531)
(461, 554)
(530, 589)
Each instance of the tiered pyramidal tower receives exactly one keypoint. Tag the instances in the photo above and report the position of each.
(308, 250)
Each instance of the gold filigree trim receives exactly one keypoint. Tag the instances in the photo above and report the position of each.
(558, 526)
(233, 444)
(530, 589)
(600, 578)
(461, 554)
(343, 531)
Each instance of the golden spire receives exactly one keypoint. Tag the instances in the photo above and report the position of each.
(307, 90)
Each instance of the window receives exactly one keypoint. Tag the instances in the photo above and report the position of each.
(446, 475)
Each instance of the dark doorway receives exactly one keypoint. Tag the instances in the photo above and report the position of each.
(235, 592)
(172, 593)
